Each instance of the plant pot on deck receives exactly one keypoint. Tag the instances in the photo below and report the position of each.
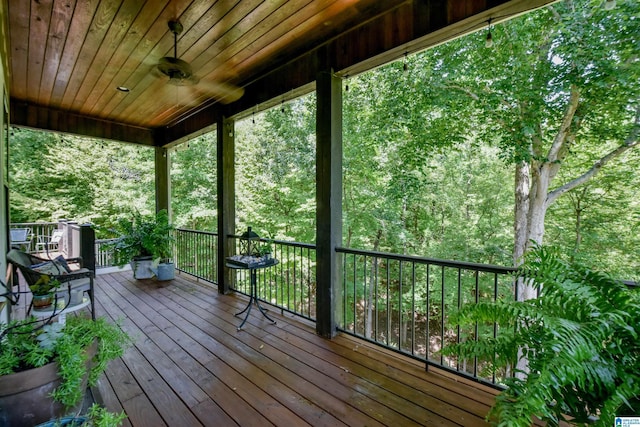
(141, 267)
(25, 396)
(165, 271)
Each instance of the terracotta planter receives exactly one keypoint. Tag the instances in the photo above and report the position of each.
(42, 302)
(25, 396)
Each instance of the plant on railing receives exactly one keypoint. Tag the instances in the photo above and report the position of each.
(579, 339)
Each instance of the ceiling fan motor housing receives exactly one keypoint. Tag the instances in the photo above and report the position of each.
(176, 69)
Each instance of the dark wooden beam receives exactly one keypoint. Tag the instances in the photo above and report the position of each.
(162, 179)
(328, 201)
(410, 27)
(226, 200)
(43, 118)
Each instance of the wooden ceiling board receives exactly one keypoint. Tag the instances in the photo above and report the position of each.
(78, 29)
(144, 56)
(40, 16)
(68, 56)
(117, 31)
(105, 86)
(57, 36)
(195, 42)
(291, 28)
(19, 32)
(217, 62)
(283, 29)
(96, 32)
(142, 82)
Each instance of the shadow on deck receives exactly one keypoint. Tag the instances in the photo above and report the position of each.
(190, 366)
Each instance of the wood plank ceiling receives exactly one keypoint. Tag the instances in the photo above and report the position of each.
(68, 57)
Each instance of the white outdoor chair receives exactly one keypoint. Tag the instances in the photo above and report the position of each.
(49, 243)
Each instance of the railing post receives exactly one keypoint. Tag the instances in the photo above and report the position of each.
(69, 249)
(88, 247)
(328, 201)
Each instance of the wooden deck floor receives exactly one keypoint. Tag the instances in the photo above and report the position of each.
(190, 366)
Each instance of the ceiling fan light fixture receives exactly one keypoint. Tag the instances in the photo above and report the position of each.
(180, 72)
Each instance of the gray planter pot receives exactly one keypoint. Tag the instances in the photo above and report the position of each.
(165, 271)
(141, 267)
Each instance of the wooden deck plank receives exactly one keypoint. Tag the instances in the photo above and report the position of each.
(191, 366)
(172, 410)
(227, 351)
(105, 395)
(410, 390)
(243, 414)
(296, 370)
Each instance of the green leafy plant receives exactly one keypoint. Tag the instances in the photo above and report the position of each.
(100, 417)
(44, 285)
(143, 235)
(579, 341)
(264, 248)
(96, 416)
(27, 344)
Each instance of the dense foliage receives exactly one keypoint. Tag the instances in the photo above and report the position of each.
(56, 176)
(579, 341)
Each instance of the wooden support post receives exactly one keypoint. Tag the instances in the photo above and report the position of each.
(88, 247)
(328, 200)
(162, 179)
(226, 200)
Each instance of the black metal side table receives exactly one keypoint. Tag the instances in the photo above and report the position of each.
(253, 293)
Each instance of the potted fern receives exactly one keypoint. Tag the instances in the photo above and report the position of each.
(145, 240)
(579, 341)
(45, 368)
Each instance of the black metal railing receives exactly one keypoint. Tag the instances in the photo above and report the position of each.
(291, 284)
(405, 303)
(196, 253)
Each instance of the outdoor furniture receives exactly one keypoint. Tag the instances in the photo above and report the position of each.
(21, 239)
(243, 263)
(49, 243)
(74, 283)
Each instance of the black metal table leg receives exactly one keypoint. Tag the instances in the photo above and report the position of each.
(253, 298)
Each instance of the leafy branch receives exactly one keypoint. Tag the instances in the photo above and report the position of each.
(579, 340)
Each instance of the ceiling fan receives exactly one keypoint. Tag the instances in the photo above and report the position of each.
(180, 73)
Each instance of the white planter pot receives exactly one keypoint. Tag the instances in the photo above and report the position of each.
(141, 267)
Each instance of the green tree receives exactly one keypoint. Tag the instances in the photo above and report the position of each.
(557, 82)
(194, 184)
(275, 171)
(55, 176)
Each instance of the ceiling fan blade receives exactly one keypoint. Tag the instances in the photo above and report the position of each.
(222, 92)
